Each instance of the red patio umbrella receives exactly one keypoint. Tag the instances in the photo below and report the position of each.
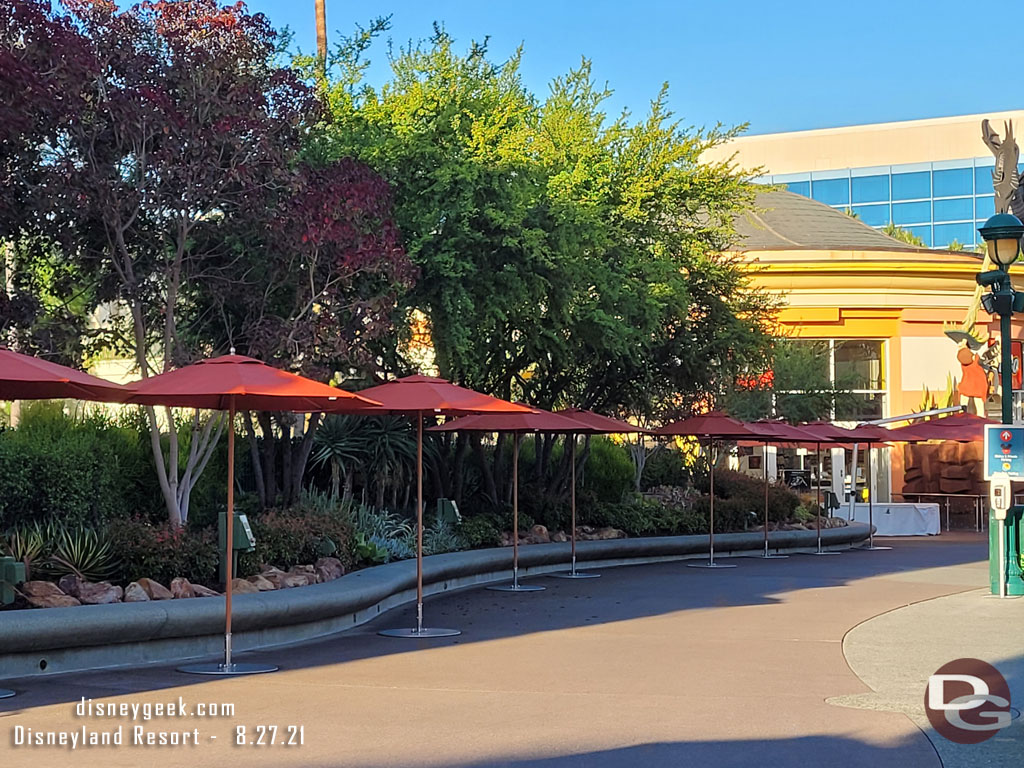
(598, 424)
(780, 432)
(709, 426)
(23, 377)
(225, 384)
(534, 420)
(960, 427)
(416, 396)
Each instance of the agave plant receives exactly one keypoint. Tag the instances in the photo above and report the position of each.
(339, 443)
(81, 551)
(27, 543)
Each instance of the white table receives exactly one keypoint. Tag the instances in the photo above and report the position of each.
(899, 519)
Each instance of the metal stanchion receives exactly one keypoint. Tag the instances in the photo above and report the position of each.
(573, 573)
(515, 586)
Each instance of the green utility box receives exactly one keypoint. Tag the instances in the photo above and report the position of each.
(1014, 551)
(448, 511)
(242, 540)
(11, 572)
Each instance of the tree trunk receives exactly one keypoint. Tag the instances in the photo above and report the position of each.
(490, 488)
(458, 468)
(284, 420)
(300, 459)
(254, 456)
(269, 457)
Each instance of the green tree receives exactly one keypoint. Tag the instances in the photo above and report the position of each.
(903, 235)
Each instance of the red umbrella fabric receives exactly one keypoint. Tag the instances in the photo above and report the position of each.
(23, 377)
(221, 383)
(413, 394)
(780, 432)
(709, 425)
(604, 424)
(535, 420)
(224, 384)
(960, 427)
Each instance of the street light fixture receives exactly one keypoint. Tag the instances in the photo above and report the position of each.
(1002, 234)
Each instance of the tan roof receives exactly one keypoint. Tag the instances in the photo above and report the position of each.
(783, 220)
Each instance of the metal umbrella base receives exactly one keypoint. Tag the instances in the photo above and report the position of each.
(220, 668)
(770, 556)
(412, 632)
(710, 564)
(517, 588)
(871, 547)
(6, 693)
(575, 575)
(824, 552)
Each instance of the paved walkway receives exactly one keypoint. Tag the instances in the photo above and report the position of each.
(647, 666)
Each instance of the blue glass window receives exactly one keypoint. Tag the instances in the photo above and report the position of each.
(873, 215)
(831, 191)
(984, 207)
(952, 182)
(907, 186)
(957, 209)
(911, 213)
(924, 231)
(870, 189)
(800, 187)
(947, 233)
(983, 179)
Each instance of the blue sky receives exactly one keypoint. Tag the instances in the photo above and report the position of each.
(776, 64)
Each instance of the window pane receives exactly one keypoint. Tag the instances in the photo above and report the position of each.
(907, 186)
(859, 407)
(873, 215)
(870, 189)
(800, 187)
(984, 207)
(858, 364)
(831, 191)
(947, 233)
(911, 213)
(924, 231)
(957, 209)
(983, 179)
(954, 181)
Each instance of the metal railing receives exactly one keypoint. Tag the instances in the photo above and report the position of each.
(979, 501)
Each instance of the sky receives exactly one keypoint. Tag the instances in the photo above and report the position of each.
(778, 65)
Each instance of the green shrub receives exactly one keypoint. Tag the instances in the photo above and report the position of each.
(483, 530)
(51, 549)
(748, 492)
(609, 470)
(643, 516)
(82, 471)
(296, 536)
(160, 552)
(665, 467)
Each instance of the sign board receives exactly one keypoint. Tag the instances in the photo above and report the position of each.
(1004, 451)
(797, 479)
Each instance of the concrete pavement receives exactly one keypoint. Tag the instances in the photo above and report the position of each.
(650, 665)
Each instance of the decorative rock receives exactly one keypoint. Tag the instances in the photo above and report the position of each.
(200, 591)
(290, 580)
(134, 593)
(539, 534)
(100, 593)
(274, 575)
(155, 589)
(69, 584)
(559, 536)
(328, 569)
(181, 588)
(305, 572)
(243, 587)
(261, 583)
(53, 601)
(610, 533)
(41, 589)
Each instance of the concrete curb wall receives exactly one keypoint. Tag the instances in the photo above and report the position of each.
(53, 640)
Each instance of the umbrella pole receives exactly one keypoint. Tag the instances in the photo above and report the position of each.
(767, 555)
(229, 667)
(817, 486)
(871, 506)
(515, 586)
(419, 630)
(711, 516)
(573, 573)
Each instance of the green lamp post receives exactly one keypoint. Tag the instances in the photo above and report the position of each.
(1002, 234)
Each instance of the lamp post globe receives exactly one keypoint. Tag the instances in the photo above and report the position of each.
(1003, 233)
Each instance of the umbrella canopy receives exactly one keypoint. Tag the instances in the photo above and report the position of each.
(601, 423)
(707, 425)
(780, 432)
(960, 427)
(535, 420)
(872, 433)
(413, 394)
(236, 381)
(23, 377)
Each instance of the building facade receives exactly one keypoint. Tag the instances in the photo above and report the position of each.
(930, 177)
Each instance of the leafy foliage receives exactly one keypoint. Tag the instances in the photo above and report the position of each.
(51, 549)
(164, 552)
(903, 235)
